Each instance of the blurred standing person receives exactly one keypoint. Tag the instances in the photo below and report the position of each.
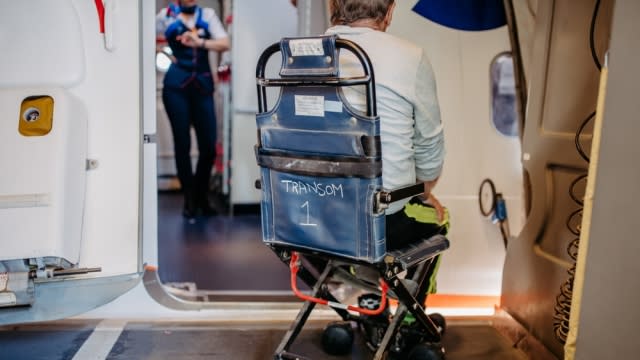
(192, 32)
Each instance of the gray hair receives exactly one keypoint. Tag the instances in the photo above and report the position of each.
(344, 12)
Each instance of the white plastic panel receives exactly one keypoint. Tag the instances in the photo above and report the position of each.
(148, 47)
(111, 92)
(97, 116)
(150, 150)
(41, 44)
(92, 218)
(150, 196)
(42, 190)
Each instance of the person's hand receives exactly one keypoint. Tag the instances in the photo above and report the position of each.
(440, 210)
(190, 39)
(432, 200)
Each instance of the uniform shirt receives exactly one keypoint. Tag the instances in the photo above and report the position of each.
(411, 131)
(191, 66)
(208, 15)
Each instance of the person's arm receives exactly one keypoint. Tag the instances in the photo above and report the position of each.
(220, 39)
(192, 39)
(431, 199)
(161, 26)
(428, 187)
(429, 135)
(161, 23)
(219, 45)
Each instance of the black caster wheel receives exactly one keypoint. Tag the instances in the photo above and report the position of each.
(426, 352)
(439, 321)
(337, 339)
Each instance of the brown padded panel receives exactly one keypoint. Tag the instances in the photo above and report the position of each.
(563, 88)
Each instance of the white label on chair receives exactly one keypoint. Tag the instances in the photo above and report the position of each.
(7, 299)
(307, 105)
(306, 47)
(4, 280)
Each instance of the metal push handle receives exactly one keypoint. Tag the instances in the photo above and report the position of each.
(367, 79)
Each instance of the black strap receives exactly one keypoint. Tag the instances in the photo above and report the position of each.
(388, 197)
(361, 167)
(371, 145)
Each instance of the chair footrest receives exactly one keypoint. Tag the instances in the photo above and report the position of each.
(420, 250)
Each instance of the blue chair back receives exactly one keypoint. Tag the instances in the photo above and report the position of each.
(320, 159)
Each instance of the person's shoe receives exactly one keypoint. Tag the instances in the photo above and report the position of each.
(189, 210)
(206, 209)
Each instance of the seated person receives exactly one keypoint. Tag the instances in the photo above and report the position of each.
(411, 131)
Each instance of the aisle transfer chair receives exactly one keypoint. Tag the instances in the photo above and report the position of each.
(323, 202)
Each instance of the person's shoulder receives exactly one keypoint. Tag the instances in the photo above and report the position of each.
(164, 19)
(400, 46)
(162, 13)
(208, 13)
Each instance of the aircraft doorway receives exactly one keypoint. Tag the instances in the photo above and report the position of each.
(206, 258)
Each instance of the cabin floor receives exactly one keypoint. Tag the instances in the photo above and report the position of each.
(76, 339)
(223, 257)
(220, 254)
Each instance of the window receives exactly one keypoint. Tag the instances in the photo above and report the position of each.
(503, 95)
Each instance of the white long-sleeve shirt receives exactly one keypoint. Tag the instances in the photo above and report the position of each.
(411, 131)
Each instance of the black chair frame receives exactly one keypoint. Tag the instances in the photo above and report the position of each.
(318, 268)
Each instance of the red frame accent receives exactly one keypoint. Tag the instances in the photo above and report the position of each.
(100, 9)
(293, 265)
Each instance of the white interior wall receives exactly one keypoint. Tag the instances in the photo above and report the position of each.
(475, 149)
(257, 24)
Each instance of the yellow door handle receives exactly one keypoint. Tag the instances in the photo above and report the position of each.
(36, 116)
